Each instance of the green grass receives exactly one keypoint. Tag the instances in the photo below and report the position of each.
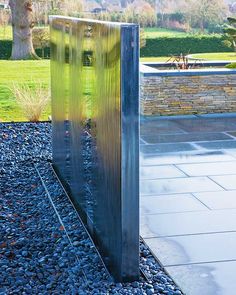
(231, 56)
(216, 56)
(154, 59)
(25, 72)
(152, 33)
(5, 33)
(39, 71)
(157, 32)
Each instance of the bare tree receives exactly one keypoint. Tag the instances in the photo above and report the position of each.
(41, 9)
(140, 12)
(72, 7)
(203, 12)
(160, 6)
(22, 25)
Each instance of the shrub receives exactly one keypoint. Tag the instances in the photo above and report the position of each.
(41, 39)
(175, 25)
(142, 38)
(231, 66)
(32, 100)
(164, 18)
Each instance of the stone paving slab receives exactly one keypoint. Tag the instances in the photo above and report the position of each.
(189, 222)
(228, 182)
(218, 200)
(166, 148)
(155, 172)
(185, 158)
(193, 249)
(231, 152)
(205, 279)
(230, 144)
(190, 137)
(232, 133)
(164, 127)
(179, 185)
(207, 124)
(208, 169)
(170, 204)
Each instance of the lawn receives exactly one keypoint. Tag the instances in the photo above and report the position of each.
(216, 56)
(229, 56)
(158, 32)
(25, 72)
(155, 59)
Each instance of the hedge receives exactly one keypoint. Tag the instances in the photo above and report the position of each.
(5, 50)
(162, 46)
(165, 46)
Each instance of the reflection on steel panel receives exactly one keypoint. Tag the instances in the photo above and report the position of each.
(95, 110)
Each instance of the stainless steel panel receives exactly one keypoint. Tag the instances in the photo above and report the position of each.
(95, 110)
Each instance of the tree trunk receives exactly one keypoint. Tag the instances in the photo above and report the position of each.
(202, 26)
(22, 25)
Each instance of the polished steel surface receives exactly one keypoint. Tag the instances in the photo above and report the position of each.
(95, 110)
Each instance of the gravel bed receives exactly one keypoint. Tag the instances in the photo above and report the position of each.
(20, 142)
(44, 248)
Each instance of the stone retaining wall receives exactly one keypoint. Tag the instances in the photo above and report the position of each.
(187, 92)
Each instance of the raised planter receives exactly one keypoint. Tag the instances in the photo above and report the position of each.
(179, 92)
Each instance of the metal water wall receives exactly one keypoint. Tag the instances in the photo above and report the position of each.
(95, 113)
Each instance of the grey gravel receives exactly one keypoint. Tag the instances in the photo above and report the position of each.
(39, 252)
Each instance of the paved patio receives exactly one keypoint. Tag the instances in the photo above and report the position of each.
(188, 199)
